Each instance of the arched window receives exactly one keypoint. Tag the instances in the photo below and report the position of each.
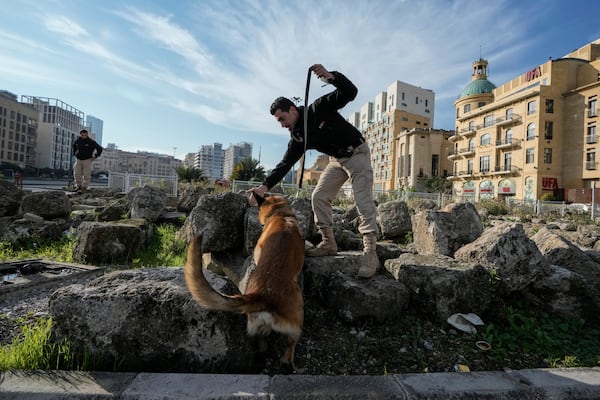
(485, 139)
(508, 136)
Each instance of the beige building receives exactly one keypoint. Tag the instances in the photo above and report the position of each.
(535, 134)
(405, 150)
(18, 131)
(144, 163)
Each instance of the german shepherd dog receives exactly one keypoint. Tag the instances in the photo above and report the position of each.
(272, 299)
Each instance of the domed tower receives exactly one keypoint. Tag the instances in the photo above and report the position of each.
(477, 93)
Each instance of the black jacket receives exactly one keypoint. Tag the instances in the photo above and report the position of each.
(328, 131)
(84, 149)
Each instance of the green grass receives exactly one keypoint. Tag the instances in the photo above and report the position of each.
(164, 249)
(61, 250)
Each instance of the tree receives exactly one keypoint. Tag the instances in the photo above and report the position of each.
(189, 174)
(438, 184)
(248, 170)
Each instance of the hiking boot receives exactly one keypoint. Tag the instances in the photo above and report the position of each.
(327, 247)
(370, 262)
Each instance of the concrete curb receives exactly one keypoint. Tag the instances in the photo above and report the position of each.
(538, 384)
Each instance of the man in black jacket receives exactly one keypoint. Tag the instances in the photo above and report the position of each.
(350, 158)
(85, 150)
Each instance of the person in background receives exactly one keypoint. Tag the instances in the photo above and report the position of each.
(85, 150)
(350, 158)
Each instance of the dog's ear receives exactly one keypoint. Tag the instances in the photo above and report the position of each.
(259, 199)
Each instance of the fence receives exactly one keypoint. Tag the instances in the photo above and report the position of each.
(124, 182)
(346, 194)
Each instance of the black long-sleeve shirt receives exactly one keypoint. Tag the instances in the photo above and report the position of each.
(83, 148)
(328, 132)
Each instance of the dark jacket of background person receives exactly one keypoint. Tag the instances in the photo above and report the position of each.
(83, 148)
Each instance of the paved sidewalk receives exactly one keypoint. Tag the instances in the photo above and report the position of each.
(538, 384)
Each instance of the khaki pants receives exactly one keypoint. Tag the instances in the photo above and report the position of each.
(82, 172)
(360, 172)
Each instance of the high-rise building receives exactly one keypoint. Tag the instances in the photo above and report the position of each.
(18, 131)
(58, 127)
(233, 155)
(209, 159)
(405, 151)
(95, 127)
(533, 135)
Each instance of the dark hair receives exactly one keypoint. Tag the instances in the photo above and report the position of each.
(83, 131)
(281, 103)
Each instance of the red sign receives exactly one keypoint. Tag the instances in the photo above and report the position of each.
(533, 74)
(549, 183)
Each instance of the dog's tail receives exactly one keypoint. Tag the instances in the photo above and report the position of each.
(206, 295)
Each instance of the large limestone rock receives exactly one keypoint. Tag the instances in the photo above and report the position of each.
(148, 203)
(31, 226)
(394, 219)
(560, 251)
(507, 252)
(146, 320)
(49, 204)
(109, 242)
(440, 286)
(443, 232)
(189, 198)
(219, 219)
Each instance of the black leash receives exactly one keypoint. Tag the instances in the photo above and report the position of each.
(302, 160)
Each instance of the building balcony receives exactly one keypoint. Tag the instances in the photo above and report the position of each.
(467, 132)
(511, 120)
(453, 155)
(591, 139)
(505, 170)
(591, 165)
(465, 174)
(467, 151)
(453, 138)
(507, 144)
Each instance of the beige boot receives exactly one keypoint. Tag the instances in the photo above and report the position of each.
(327, 247)
(370, 262)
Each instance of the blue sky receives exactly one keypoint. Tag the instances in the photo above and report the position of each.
(169, 76)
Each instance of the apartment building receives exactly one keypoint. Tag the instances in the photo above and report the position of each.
(58, 127)
(209, 159)
(18, 131)
(141, 162)
(95, 127)
(532, 135)
(405, 150)
(233, 155)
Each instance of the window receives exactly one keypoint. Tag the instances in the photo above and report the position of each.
(548, 125)
(485, 139)
(416, 99)
(403, 96)
(457, 112)
(472, 126)
(531, 107)
(484, 164)
(590, 160)
(507, 161)
(549, 106)
(592, 107)
(409, 164)
(489, 120)
(509, 114)
(480, 104)
(531, 131)
(471, 144)
(435, 164)
(591, 134)
(547, 155)
(508, 136)
(470, 167)
(529, 156)
(467, 108)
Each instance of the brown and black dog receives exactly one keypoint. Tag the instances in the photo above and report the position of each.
(272, 297)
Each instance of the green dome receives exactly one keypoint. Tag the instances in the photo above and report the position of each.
(478, 87)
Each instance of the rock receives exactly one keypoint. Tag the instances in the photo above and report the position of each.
(148, 203)
(49, 204)
(444, 232)
(10, 198)
(394, 219)
(511, 257)
(147, 320)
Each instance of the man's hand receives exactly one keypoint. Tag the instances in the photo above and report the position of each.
(322, 72)
(261, 190)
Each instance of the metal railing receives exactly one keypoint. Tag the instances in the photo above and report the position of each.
(124, 182)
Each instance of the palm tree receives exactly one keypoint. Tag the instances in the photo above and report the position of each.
(248, 170)
(189, 174)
